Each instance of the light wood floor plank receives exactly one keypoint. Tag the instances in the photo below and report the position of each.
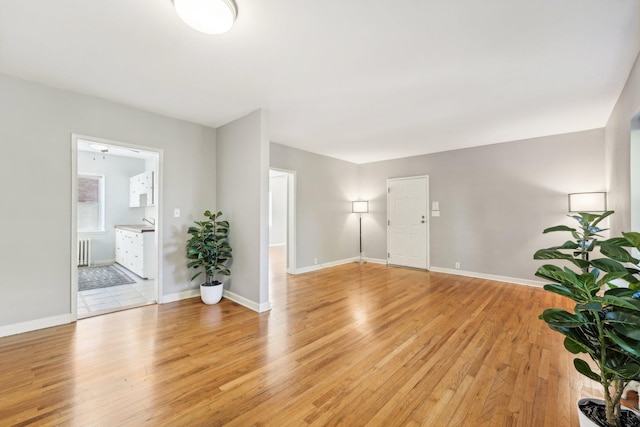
(355, 345)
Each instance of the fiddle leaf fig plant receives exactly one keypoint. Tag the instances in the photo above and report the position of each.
(605, 323)
(208, 247)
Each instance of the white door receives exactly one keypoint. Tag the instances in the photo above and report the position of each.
(407, 225)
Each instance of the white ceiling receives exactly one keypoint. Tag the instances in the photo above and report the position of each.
(360, 80)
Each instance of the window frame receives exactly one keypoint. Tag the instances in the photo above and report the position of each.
(101, 228)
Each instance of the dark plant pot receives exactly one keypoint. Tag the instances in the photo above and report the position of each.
(587, 421)
(211, 293)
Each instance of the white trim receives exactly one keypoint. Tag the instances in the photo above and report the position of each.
(526, 282)
(33, 325)
(326, 265)
(275, 245)
(292, 177)
(159, 157)
(252, 305)
(103, 262)
(376, 261)
(178, 296)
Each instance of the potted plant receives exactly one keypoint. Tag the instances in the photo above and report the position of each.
(209, 250)
(605, 322)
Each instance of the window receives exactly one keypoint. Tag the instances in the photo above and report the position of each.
(91, 203)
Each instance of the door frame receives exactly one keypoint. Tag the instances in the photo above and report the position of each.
(291, 217)
(74, 220)
(428, 237)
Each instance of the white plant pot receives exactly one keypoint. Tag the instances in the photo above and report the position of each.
(211, 294)
(584, 420)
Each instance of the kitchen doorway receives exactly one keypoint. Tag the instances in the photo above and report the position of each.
(116, 218)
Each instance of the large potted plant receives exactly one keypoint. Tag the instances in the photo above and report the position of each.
(209, 250)
(605, 322)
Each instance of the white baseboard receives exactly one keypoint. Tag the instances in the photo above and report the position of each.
(376, 261)
(189, 293)
(274, 245)
(337, 263)
(32, 325)
(325, 265)
(103, 262)
(252, 305)
(517, 281)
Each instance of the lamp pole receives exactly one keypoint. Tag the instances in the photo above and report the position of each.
(361, 260)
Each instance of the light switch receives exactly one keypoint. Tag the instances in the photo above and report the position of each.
(176, 212)
(435, 206)
(435, 213)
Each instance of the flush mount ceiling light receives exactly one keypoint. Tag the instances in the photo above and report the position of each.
(207, 16)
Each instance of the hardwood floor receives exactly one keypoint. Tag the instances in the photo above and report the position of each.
(350, 345)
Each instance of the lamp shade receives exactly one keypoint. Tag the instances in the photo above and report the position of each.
(588, 202)
(207, 16)
(360, 206)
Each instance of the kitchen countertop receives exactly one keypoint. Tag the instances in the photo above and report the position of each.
(137, 228)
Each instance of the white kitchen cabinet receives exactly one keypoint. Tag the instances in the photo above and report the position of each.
(141, 190)
(135, 250)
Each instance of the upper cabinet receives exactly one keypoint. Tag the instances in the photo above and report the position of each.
(141, 190)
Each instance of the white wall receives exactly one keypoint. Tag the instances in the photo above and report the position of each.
(278, 228)
(617, 161)
(116, 170)
(494, 200)
(326, 229)
(242, 190)
(36, 123)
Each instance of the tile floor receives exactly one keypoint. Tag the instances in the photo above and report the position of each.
(99, 301)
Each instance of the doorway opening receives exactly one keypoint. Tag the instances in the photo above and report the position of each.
(281, 223)
(634, 184)
(116, 218)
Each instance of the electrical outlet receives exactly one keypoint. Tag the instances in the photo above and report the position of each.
(176, 212)
(457, 265)
(315, 260)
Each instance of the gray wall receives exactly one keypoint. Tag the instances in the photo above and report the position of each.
(494, 200)
(242, 189)
(325, 227)
(618, 152)
(116, 170)
(36, 123)
(278, 228)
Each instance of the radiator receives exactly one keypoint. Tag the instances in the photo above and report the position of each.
(84, 252)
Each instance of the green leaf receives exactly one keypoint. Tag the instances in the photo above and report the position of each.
(609, 299)
(584, 368)
(608, 265)
(558, 228)
(625, 323)
(623, 344)
(574, 347)
(629, 371)
(617, 253)
(609, 277)
(560, 318)
(601, 217)
(633, 238)
(562, 290)
(592, 306)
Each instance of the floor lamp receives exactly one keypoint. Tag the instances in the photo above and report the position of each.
(360, 207)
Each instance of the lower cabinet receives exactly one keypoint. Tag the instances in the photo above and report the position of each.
(136, 252)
